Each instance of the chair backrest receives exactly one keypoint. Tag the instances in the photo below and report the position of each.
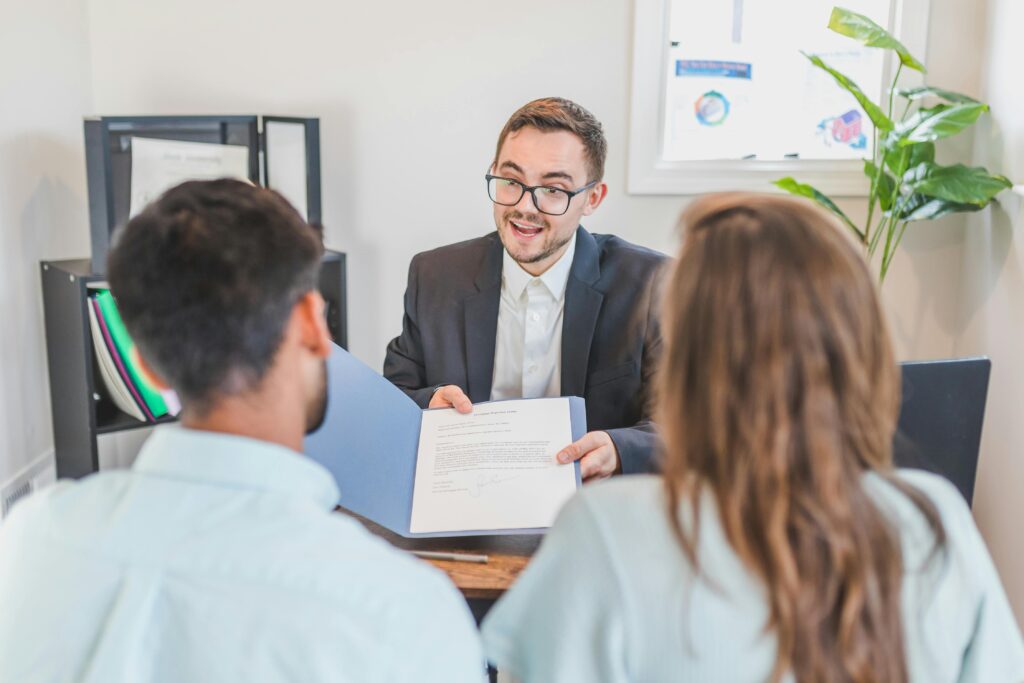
(941, 417)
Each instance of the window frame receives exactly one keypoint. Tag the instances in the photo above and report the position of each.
(648, 173)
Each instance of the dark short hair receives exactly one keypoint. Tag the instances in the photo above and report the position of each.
(557, 113)
(205, 279)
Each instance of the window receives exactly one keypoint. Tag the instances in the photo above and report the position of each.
(723, 99)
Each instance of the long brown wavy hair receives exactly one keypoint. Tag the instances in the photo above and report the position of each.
(778, 391)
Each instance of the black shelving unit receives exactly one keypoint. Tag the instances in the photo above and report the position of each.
(81, 406)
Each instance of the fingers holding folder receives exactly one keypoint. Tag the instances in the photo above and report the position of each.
(451, 396)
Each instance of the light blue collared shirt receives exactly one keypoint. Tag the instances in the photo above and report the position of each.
(218, 558)
(611, 598)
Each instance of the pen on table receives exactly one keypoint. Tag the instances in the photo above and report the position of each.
(451, 557)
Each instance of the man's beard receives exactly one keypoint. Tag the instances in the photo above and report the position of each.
(535, 219)
(316, 409)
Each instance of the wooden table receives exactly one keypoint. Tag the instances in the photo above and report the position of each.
(507, 557)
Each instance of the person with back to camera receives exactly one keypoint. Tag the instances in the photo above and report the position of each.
(218, 557)
(779, 544)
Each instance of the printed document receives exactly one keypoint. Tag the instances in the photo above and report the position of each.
(494, 468)
(159, 165)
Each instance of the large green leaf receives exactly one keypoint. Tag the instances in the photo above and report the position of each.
(921, 152)
(791, 186)
(928, 91)
(874, 112)
(900, 159)
(940, 121)
(960, 184)
(919, 207)
(859, 27)
(886, 184)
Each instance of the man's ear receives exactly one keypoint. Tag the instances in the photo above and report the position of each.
(313, 332)
(595, 196)
(148, 373)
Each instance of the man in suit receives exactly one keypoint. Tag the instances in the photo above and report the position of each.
(541, 307)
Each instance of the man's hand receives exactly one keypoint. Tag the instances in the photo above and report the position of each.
(450, 396)
(598, 456)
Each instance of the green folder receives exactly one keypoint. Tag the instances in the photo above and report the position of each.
(123, 342)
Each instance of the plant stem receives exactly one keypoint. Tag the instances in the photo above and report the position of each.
(871, 211)
(892, 90)
(889, 230)
(877, 236)
(887, 262)
(867, 224)
(898, 205)
(872, 195)
(873, 198)
(886, 223)
(871, 240)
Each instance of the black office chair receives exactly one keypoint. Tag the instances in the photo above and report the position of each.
(941, 417)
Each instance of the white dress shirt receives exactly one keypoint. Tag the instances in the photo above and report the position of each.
(218, 558)
(528, 346)
(611, 598)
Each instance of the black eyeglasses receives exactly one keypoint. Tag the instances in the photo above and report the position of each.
(554, 201)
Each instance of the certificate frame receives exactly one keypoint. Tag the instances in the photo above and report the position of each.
(108, 161)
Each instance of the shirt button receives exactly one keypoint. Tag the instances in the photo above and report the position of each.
(532, 369)
(534, 317)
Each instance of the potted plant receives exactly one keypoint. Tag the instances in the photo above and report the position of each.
(906, 183)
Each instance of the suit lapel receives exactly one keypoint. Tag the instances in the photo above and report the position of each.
(481, 325)
(582, 306)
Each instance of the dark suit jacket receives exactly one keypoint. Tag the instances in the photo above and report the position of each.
(610, 332)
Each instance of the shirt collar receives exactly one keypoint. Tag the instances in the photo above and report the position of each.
(515, 280)
(235, 462)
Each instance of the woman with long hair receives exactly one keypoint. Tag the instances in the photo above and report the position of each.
(779, 544)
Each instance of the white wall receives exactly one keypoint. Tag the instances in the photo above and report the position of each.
(411, 98)
(44, 89)
(993, 298)
(411, 101)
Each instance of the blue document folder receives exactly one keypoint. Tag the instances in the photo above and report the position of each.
(369, 441)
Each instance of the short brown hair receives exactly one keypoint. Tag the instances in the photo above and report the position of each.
(557, 113)
(206, 278)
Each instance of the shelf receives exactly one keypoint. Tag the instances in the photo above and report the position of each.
(123, 422)
(81, 405)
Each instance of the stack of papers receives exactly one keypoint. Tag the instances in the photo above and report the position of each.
(126, 385)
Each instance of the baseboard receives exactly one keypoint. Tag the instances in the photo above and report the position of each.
(42, 471)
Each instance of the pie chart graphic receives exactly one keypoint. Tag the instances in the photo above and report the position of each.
(711, 108)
